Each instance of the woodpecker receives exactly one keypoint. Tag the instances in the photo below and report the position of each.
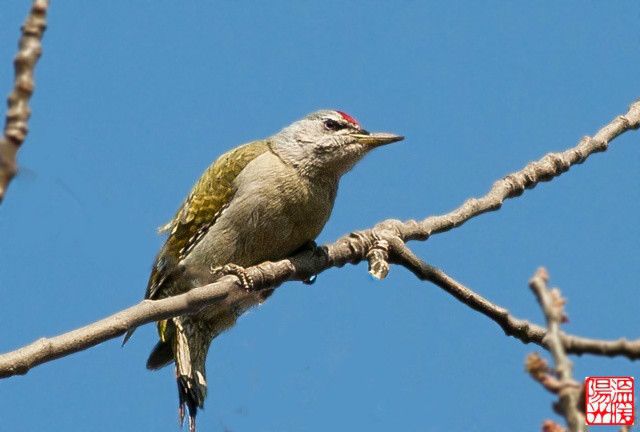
(260, 201)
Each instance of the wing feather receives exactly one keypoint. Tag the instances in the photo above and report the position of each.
(209, 197)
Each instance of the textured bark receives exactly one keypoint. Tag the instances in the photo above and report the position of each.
(569, 391)
(18, 113)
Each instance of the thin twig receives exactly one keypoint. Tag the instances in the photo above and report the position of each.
(551, 426)
(552, 305)
(355, 248)
(521, 329)
(545, 169)
(18, 113)
(540, 371)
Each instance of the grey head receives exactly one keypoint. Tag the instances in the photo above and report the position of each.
(326, 142)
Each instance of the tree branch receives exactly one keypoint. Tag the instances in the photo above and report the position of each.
(523, 330)
(354, 248)
(545, 169)
(18, 113)
(569, 391)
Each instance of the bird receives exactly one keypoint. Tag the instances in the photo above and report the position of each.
(260, 201)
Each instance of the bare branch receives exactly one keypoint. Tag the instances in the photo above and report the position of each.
(521, 329)
(378, 257)
(551, 426)
(545, 169)
(540, 371)
(18, 113)
(355, 248)
(569, 391)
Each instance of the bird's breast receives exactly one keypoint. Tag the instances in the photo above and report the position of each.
(273, 212)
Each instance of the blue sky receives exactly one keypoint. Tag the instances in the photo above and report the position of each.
(134, 99)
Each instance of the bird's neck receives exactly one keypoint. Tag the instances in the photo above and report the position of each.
(302, 159)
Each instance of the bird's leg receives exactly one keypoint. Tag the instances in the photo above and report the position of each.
(310, 246)
(233, 269)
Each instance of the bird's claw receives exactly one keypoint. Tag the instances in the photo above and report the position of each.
(310, 280)
(246, 281)
(310, 246)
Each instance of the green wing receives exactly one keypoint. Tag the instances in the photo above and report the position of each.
(208, 198)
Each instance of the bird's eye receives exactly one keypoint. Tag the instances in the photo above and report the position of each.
(333, 125)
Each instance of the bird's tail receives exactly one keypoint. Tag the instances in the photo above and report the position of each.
(190, 346)
(183, 341)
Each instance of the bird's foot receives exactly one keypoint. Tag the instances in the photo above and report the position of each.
(310, 246)
(310, 280)
(233, 269)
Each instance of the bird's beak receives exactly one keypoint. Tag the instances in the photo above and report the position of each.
(377, 138)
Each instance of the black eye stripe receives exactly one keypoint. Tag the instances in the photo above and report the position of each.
(333, 125)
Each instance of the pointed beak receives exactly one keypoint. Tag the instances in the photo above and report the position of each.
(376, 139)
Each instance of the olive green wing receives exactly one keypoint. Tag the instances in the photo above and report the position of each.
(207, 200)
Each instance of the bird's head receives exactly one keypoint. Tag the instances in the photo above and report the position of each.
(327, 142)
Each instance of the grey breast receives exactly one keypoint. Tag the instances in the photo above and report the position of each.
(274, 212)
